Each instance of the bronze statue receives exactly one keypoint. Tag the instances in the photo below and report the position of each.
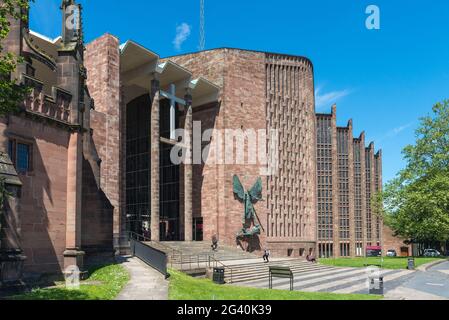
(249, 198)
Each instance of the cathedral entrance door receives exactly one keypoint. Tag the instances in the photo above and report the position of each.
(169, 230)
(198, 229)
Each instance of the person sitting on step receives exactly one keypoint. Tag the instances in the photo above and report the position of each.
(310, 257)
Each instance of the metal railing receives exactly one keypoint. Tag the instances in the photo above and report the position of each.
(192, 261)
(151, 256)
(159, 259)
(173, 252)
(216, 263)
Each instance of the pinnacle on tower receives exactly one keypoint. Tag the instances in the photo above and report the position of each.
(71, 20)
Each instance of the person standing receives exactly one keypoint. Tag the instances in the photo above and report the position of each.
(214, 245)
(266, 256)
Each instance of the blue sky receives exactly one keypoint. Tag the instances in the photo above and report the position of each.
(383, 79)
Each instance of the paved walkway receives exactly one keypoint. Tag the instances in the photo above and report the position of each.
(335, 280)
(145, 284)
(432, 284)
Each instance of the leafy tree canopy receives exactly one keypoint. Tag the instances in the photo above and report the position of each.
(417, 200)
(11, 94)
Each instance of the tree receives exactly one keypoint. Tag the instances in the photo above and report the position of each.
(417, 200)
(11, 93)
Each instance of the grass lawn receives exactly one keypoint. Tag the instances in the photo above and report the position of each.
(184, 287)
(388, 263)
(104, 283)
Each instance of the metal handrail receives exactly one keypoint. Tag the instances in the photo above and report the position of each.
(168, 247)
(222, 264)
(173, 252)
(184, 259)
(138, 236)
(193, 259)
(151, 256)
(146, 239)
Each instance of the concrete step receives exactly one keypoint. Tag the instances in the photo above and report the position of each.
(259, 271)
(204, 258)
(288, 262)
(264, 274)
(199, 252)
(191, 246)
(294, 268)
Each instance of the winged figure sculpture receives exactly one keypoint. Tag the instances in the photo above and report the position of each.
(249, 198)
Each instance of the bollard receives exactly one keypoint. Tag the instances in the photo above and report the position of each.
(376, 286)
(411, 264)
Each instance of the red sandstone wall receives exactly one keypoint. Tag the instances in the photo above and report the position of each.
(242, 76)
(208, 64)
(292, 190)
(96, 216)
(243, 107)
(207, 184)
(202, 174)
(102, 61)
(43, 202)
(390, 242)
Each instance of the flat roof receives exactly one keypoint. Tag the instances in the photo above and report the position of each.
(240, 49)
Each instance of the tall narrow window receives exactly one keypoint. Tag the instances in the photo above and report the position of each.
(21, 156)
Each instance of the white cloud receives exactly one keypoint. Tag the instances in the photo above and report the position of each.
(182, 33)
(396, 131)
(401, 128)
(327, 99)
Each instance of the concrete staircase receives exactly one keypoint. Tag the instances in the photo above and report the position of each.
(199, 252)
(240, 266)
(259, 270)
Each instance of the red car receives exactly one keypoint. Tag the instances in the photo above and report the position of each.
(373, 251)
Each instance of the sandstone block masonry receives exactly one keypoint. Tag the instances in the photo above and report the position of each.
(260, 91)
(102, 60)
(64, 217)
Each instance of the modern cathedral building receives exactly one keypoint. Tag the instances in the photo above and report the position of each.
(348, 177)
(92, 149)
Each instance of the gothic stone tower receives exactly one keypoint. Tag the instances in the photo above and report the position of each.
(71, 77)
(64, 216)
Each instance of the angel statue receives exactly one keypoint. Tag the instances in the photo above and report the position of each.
(249, 198)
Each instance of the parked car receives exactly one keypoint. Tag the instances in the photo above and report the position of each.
(392, 253)
(431, 253)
